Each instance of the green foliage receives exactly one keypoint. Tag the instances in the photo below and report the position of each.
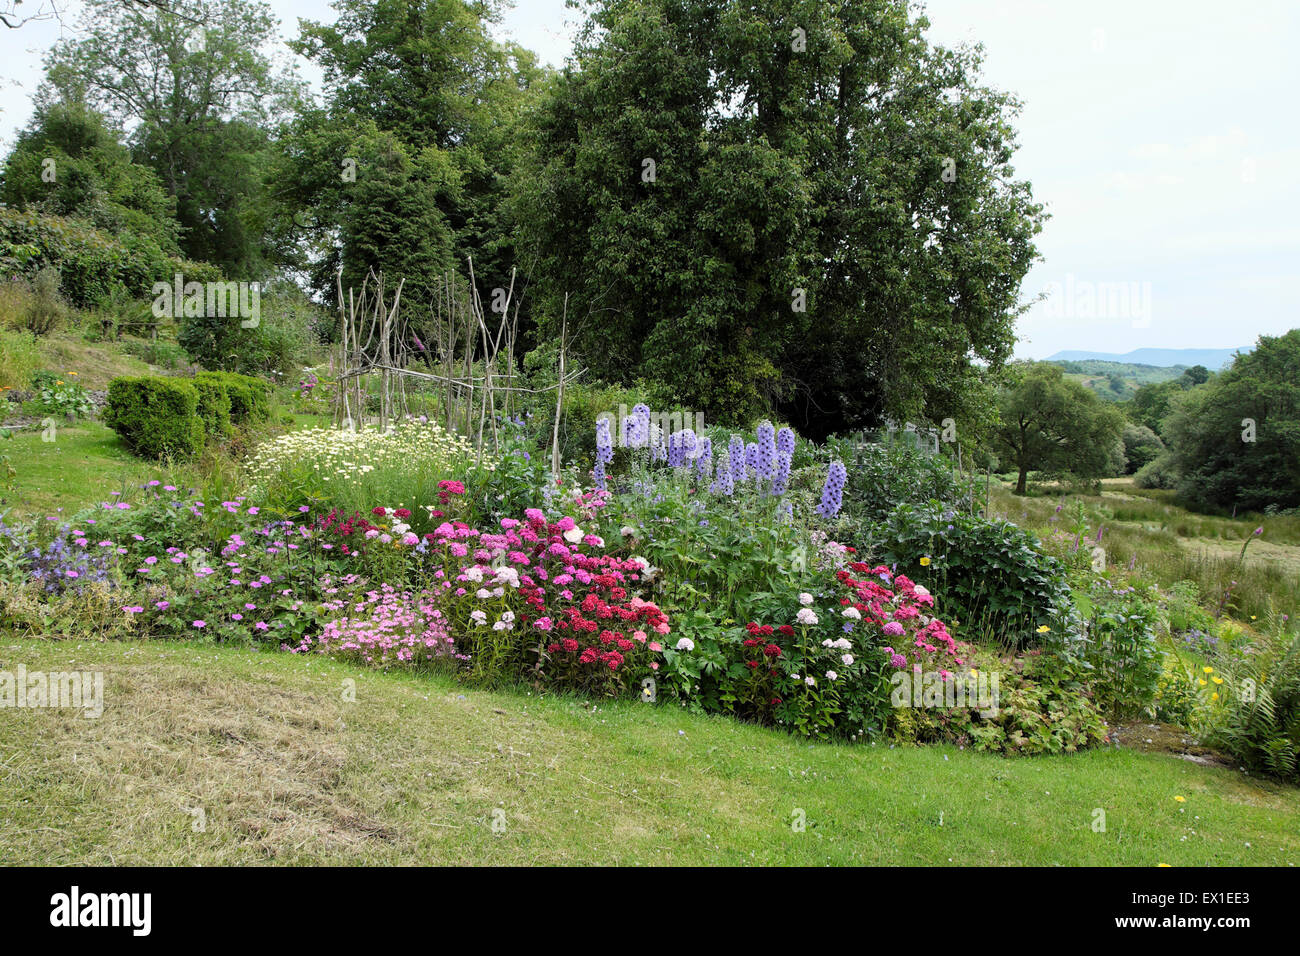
(734, 275)
(156, 417)
(204, 131)
(407, 160)
(1037, 712)
(46, 309)
(213, 407)
(1050, 424)
(92, 265)
(1118, 648)
(992, 576)
(20, 356)
(279, 342)
(61, 397)
(1260, 721)
(249, 398)
(1236, 439)
(1141, 447)
(883, 475)
(1150, 403)
(69, 163)
(1159, 473)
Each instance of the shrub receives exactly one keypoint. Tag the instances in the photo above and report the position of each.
(156, 416)
(45, 310)
(214, 407)
(250, 398)
(989, 574)
(1161, 473)
(1141, 447)
(886, 474)
(92, 264)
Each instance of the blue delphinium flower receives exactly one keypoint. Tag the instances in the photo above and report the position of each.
(765, 459)
(724, 484)
(782, 480)
(636, 427)
(785, 442)
(704, 458)
(751, 459)
(736, 459)
(833, 490)
(604, 442)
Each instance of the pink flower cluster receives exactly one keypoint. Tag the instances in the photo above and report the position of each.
(383, 626)
(899, 608)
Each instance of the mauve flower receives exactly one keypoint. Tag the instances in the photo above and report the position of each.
(833, 490)
(765, 455)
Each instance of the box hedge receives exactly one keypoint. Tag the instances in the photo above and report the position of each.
(155, 416)
(250, 398)
(160, 416)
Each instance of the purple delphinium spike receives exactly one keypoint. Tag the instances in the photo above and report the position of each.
(782, 480)
(833, 490)
(765, 459)
(604, 442)
(736, 459)
(785, 441)
(704, 458)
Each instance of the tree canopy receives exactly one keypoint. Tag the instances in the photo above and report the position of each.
(1052, 424)
(797, 204)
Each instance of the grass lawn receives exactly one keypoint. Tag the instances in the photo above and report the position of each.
(415, 770)
(84, 464)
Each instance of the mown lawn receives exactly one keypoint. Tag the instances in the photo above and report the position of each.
(417, 769)
(84, 464)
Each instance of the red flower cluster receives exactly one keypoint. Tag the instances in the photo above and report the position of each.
(346, 527)
(447, 488)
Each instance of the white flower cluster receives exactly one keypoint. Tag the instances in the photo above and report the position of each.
(346, 456)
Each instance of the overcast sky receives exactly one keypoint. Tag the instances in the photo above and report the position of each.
(1161, 135)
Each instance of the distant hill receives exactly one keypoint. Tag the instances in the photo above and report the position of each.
(1115, 381)
(1213, 359)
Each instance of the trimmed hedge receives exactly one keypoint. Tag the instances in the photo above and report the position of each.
(156, 416)
(214, 406)
(159, 416)
(92, 263)
(250, 398)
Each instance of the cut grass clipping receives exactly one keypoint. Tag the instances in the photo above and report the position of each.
(216, 755)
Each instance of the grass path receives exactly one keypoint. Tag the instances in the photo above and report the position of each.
(415, 770)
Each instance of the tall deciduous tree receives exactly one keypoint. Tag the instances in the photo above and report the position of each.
(195, 86)
(796, 202)
(428, 76)
(1236, 440)
(1049, 423)
(68, 162)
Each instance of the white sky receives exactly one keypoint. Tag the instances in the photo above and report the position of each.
(1161, 134)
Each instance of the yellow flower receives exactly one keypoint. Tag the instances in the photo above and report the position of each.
(1214, 696)
(1208, 669)
(72, 373)
(1181, 799)
(1252, 617)
(925, 562)
(1165, 864)
(1203, 682)
(1217, 680)
(1043, 629)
